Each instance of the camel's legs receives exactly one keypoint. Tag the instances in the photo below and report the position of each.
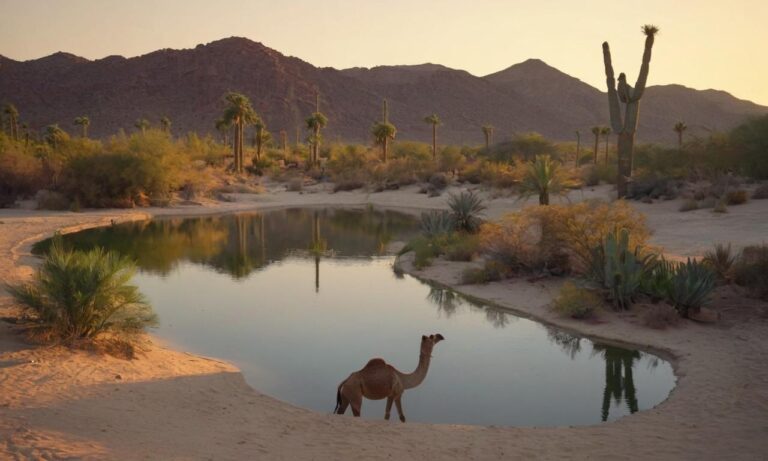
(389, 408)
(400, 408)
(356, 402)
(343, 407)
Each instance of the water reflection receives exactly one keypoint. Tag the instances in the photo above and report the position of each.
(619, 382)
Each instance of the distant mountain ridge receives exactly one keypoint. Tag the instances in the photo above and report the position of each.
(187, 86)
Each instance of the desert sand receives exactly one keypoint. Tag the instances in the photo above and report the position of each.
(56, 403)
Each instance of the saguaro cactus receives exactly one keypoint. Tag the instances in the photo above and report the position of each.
(625, 128)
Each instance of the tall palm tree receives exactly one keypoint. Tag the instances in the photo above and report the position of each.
(142, 124)
(606, 131)
(578, 148)
(488, 133)
(261, 136)
(543, 177)
(679, 128)
(383, 131)
(54, 135)
(596, 130)
(316, 122)
(25, 131)
(222, 126)
(433, 120)
(165, 125)
(284, 140)
(83, 122)
(13, 120)
(238, 113)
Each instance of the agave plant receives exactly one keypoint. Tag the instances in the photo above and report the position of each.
(466, 209)
(721, 260)
(618, 269)
(436, 223)
(77, 295)
(543, 177)
(657, 280)
(691, 287)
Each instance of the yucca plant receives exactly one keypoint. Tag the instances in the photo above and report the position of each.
(436, 223)
(721, 260)
(618, 269)
(543, 176)
(657, 279)
(466, 210)
(78, 295)
(691, 287)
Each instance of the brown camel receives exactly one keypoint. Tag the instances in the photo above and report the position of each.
(378, 380)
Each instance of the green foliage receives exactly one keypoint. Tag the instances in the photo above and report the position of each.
(543, 177)
(576, 302)
(466, 209)
(79, 295)
(492, 271)
(524, 146)
(436, 223)
(691, 287)
(619, 269)
(657, 280)
(720, 260)
(751, 270)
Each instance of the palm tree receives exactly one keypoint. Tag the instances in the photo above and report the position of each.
(679, 128)
(578, 148)
(13, 120)
(222, 126)
(142, 124)
(238, 114)
(54, 135)
(25, 130)
(165, 125)
(488, 133)
(316, 122)
(543, 176)
(596, 130)
(605, 131)
(261, 137)
(83, 122)
(383, 131)
(284, 140)
(433, 120)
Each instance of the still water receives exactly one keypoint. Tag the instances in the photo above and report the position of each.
(300, 298)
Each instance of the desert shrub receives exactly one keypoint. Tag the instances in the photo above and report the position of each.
(450, 158)
(618, 268)
(760, 193)
(513, 242)
(691, 287)
(435, 223)
(48, 200)
(295, 184)
(689, 205)
(660, 316)
(654, 186)
(460, 246)
(438, 181)
(466, 209)
(657, 279)
(425, 249)
(491, 271)
(80, 295)
(736, 197)
(720, 207)
(348, 185)
(543, 177)
(751, 270)
(21, 173)
(708, 202)
(576, 302)
(720, 260)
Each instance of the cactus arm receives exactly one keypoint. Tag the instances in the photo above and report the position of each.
(613, 97)
(642, 78)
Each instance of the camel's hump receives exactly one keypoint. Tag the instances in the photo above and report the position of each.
(375, 363)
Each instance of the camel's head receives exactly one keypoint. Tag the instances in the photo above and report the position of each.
(428, 342)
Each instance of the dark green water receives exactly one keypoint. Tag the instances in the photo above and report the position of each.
(300, 298)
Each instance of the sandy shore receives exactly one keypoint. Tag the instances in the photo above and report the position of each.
(62, 404)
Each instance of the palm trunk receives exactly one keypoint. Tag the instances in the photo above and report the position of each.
(544, 198)
(680, 141)
(597, 141)
(385, 146)
(578, 148)
(434, 141)
(607, 138)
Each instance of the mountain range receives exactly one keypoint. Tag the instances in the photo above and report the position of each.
(188, 87)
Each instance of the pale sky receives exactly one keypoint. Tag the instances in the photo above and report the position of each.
(702, 44)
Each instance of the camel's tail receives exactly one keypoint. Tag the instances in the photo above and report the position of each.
(338, 397)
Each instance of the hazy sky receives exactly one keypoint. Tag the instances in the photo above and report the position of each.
(702, 43)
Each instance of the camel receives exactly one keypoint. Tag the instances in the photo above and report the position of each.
(378, 380)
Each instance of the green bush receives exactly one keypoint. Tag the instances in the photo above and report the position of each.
(751, 270)
(466, 209)
(576, 302)
(657, 279)
(460, 246)
(80, 295)
(491, 271)
(691, 287)
(435, 223)
(618, 269)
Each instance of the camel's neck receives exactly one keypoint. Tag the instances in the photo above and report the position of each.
(411, 380)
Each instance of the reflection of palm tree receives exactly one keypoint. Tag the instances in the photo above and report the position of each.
(570, 344)
(497, 318)
(617, 384)
(447, 301)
